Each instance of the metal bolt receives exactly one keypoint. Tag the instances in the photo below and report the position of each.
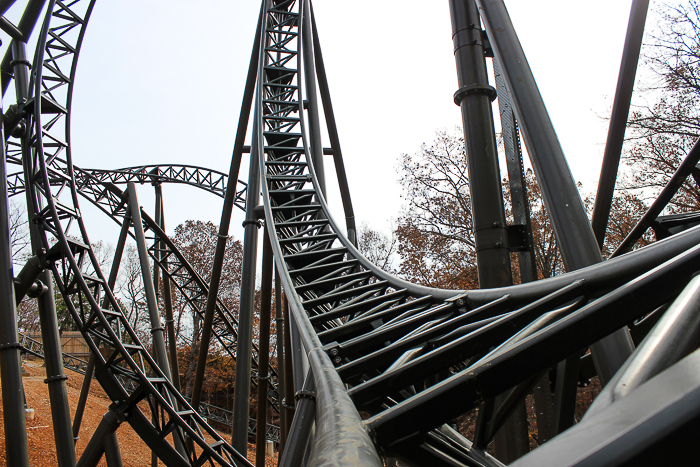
(334, 352)
(337, 360)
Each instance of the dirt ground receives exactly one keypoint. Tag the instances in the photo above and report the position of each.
(42, 452)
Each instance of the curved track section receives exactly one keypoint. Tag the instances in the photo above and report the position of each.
(410, 358)
(92, 305)
(104, 193)
(97, 180)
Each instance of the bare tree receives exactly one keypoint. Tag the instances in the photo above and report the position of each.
(377, 247)
(435, 231)
(662, 131)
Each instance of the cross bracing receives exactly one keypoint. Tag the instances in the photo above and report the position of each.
(381, 368)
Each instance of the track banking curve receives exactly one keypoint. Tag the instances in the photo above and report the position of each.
(390, 364)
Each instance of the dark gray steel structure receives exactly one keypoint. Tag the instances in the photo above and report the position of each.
(374, 367)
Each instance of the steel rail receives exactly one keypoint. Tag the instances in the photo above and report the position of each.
(413, 357)
(112, 201)
(346, 308)
(208, 180)
(117, 349)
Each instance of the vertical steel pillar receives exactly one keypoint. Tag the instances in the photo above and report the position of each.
(474, 96)
(96, 447)
(156, 327)
(229, 199)
(288, 405)
(26, 24)
(16, 448)
(302, 424)
(573, 231)
(241, 397)
(264, 346)
(53, 357)
(111, 281)
(167, 293)
(281, 381)
(618, 119)
(520, 208)
(309, 73)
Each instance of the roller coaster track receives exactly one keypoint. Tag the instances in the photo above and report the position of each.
(104, 193)
(209, 180)
(92, 305)
(206, 410)
(391, 364)
(414, 358)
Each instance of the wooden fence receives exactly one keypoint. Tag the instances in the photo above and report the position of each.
(72, 343)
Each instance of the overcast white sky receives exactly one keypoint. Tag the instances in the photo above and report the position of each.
(161, 82)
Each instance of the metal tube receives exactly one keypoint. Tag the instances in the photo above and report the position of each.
(5, 5)
(93, 451)
(574, 235)
(520, 207)
(301, 425)
(26, 24)
(241, 398)
(675, 335)
(16, 448)
(113, 455)
(264, 350)
(333, 135)
(229, 199)
(149, 289)
(157, 334)
(309, 73)
(474, 96)
(281, 380)
(53, 357)
(82, 399)
(299, 362)
(168, 300)
(114, 271)
(288, 371)
(618, 119)
(661, 201)
(573, 231)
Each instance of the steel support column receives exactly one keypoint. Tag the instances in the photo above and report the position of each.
(53, 357)
(474, 96)
(16, 449)
(573, 231)
(26, 24)
(520, 208)
(309, 74)
(288, 401)
(229, 200)
(241, 399)
(281, 380)
(111, 281)
(618, 119)
(167, 293)
(149, 289)
(96, 447)
(157, 333)
(301, 425)
(264, 346)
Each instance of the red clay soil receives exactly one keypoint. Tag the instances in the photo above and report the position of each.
(42, 451)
